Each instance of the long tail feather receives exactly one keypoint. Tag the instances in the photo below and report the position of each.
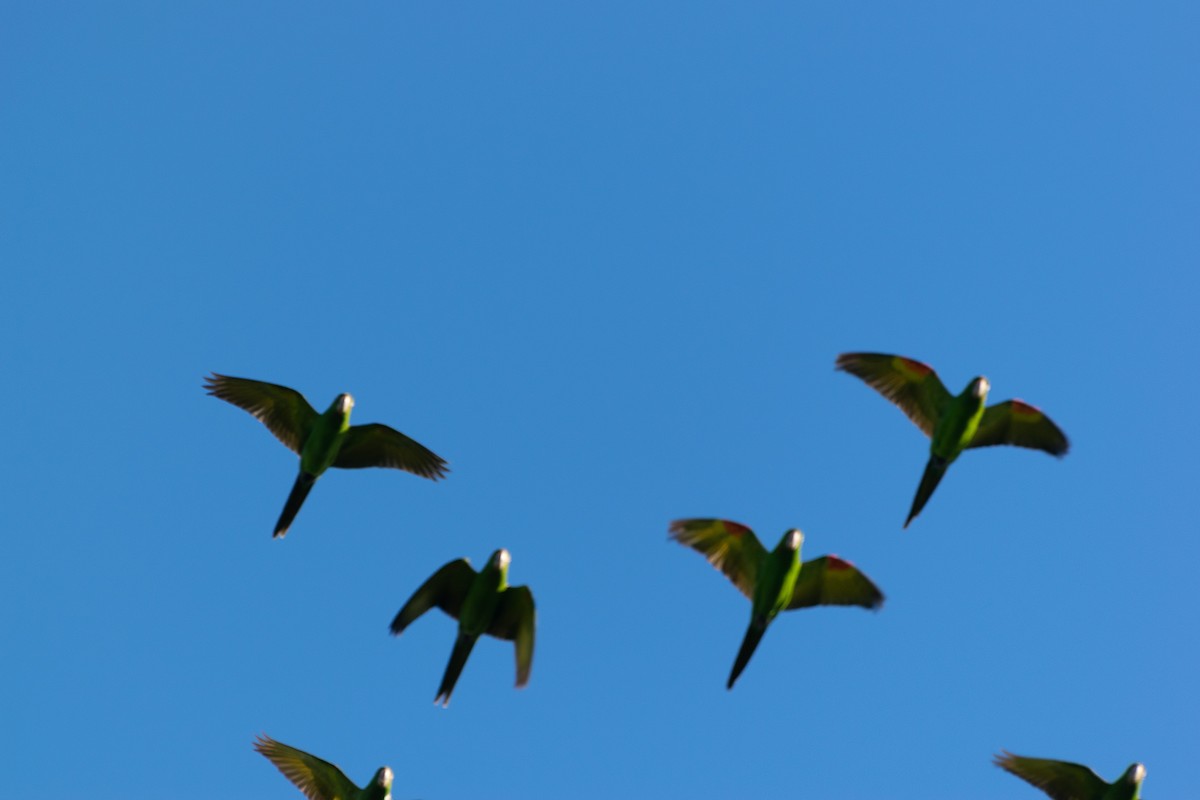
(934, 470)
(458, 657)
(300, 489)
(753, 634)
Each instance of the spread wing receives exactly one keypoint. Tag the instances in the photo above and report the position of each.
(515, 621)
(911, 385)
(378, 445)
(319, 780)
(1016, 422)
(446, 589)
(1059, 779)
(832, 581)
(729, 546)
(284, 411)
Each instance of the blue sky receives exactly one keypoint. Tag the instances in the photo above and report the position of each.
(601, 259)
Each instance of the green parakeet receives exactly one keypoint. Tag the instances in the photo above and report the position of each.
(953, 423)
(322, 440)
(774, 581)
(482, 602)
(320, 780)
(1063, 780)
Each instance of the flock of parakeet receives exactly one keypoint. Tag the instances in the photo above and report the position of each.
(773, 581)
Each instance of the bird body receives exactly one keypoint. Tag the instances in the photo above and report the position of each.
(955, 428)
(318, 779)
(959, 421)
(478, 610)
(322, 440)
(953, 423)
(479, 606)
(777, 574)
(320, 449)
(325, 439)
(482, 602)
(1062, 780)
(774, 581)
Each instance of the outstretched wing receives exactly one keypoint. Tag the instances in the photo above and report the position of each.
(319, 780)
(1016, 422)
(446, 589)
(729, 546)
(515, 620)
(911, 385)
(378, 445)
(284, 411)
(1059, 779)
(832, 581)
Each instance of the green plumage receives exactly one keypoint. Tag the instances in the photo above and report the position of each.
(322, 440)
(482, 602)
(320, 780)
(1063, 780)
(952, 423)
(775, 581)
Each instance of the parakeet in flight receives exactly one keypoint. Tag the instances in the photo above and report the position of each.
(482, 602)
(320, 780)
(953, 423)
(1063, 780)
(774, 581)
(322, 440)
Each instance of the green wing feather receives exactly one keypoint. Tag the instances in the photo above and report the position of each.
(319, 780)
(1061, 780)
(377, 445)
(729, 546)
(514, 621)
(832, 581)
(446, 589)
(911, 385)
(1018, 423)
(284, 411)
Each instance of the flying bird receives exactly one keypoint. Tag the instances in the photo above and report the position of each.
(953, 423)
(1063, 780)
(482, 602)
(320, 780)
(775, 581)
(322, 440)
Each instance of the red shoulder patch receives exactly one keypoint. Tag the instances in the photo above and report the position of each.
(833, 562)
(1024, 409)
(915, 367)
(735, 529)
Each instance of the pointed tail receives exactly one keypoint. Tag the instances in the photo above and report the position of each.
(300, 489)
(934, 470)
(458, 657)
(753, 634)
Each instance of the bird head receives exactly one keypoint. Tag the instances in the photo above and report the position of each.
(792, 539)
(382, 780)
(500, 559)
(1134, 775)
(979, 387)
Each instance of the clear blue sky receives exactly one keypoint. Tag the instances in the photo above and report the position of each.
(601, 259)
